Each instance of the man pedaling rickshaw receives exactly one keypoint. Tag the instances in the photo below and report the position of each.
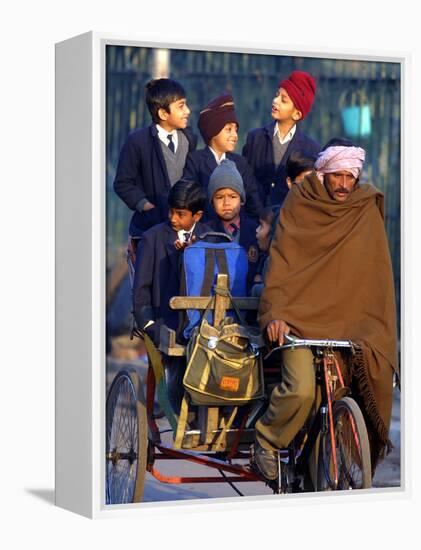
(329, 276)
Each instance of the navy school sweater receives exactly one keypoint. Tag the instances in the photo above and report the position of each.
(258, 150)
(142, 174)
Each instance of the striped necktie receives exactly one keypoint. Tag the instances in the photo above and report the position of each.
(234, 229)
(171, 143)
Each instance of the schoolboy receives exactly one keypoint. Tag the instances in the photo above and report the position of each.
(152, 158)
(266, 149)
(157, 272)
(218, 125)
(227, 195)
(264, 235)
(299, 164)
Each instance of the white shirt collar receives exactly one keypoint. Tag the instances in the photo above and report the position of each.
(182, 232)
(162, 134)
(218, 160)
(289, 135)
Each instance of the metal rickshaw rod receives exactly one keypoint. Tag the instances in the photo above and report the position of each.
(163, 456)
(211, 479)
(209, 461)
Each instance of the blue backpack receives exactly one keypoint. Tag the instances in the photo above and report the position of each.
(202, 261)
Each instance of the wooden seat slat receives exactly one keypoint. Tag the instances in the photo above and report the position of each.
(202, 302)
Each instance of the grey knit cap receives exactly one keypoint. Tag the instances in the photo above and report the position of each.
(226, 175)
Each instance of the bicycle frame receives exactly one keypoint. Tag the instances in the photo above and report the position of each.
(323, 420)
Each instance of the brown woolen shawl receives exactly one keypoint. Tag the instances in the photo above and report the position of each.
(330, 276)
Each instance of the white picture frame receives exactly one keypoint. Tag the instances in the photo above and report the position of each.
(80, 275)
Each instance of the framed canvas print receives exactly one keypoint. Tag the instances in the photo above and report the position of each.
(228, 228)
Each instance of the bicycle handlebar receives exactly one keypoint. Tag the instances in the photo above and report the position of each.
(293, 342)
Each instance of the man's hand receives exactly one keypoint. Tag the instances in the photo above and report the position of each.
(276, 330)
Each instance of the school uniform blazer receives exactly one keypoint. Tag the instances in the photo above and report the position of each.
(258, 150)
(199, 167)
(247, 240)
(157, 275)
(142, 174)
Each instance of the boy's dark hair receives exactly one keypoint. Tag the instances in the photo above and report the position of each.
(267, 214)
(299, 161)
(338, 142)
(187, 195)
(270, 214)
(159, 93)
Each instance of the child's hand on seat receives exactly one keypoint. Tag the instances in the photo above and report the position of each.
(180, 245)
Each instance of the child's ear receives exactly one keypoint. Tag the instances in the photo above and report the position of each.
(297, 115)
(197, 216)
(163, 114)
(289, 182)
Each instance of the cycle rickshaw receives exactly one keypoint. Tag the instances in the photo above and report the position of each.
(336, 433)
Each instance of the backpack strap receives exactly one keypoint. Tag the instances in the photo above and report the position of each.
(226, 292)
(155, 362)
(209, 274)
(182, 421)
(211, 236)
(212, 255)
(182, 314)
(225, 426)
(221, 260)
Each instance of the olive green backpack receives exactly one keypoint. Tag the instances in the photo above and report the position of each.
(224, 365)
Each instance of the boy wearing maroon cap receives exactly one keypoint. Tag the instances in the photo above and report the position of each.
(267, 149)
(218, 126)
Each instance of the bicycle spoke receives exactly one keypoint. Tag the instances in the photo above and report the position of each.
(351, 449)
(122, 439)
(349, 452)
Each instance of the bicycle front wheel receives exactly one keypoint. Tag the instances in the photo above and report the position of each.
(127, 443)
(351, 452)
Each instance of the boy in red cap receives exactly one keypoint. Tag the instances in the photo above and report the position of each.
(267, 149)
(218, 126)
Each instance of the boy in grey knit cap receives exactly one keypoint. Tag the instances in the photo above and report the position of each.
(227, 195)
(226, 175)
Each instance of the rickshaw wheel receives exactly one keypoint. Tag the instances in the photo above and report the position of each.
(352, 450)
(127, 442)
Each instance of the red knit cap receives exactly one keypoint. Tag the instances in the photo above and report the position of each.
(300, 87)
(215, 115)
